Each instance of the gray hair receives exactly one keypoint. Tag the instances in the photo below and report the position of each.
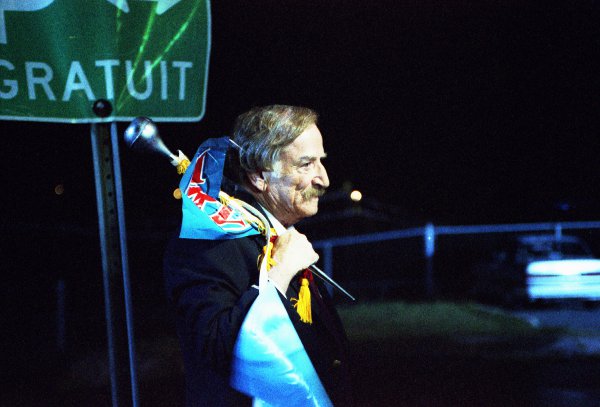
(262, 133)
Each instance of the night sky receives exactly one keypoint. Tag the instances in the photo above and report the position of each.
(452, 112)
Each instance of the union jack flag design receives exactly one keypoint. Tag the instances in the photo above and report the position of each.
(204, 216)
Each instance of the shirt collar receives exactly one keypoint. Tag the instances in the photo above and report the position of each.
(279, 228)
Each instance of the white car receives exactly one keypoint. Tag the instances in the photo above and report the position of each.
(538, 267)
(560, 268)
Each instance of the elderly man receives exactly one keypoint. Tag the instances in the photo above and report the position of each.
(212, 283)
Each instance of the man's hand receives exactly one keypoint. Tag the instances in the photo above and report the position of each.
(292, 252)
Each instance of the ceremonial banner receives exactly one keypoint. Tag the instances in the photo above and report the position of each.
(146, 57)
(204, 216)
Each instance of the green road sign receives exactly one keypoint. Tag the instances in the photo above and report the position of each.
(146, 57)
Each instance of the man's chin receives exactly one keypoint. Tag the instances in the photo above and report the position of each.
(311, 207)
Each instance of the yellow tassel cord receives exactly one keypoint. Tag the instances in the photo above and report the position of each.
(302, 303)
(266, 254)
(181, 162)
(182, 166)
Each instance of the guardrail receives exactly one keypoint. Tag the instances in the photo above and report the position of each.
(429, 232)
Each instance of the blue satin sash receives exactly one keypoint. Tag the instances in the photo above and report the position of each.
(270, 363)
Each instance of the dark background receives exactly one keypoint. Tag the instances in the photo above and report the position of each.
(451, 112)
(454, 112)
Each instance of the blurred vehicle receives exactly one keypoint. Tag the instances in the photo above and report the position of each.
(539, 267)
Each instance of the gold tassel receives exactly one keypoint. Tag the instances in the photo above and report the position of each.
(302, 304)
(181, 162)
(266, 254)
(182, 166)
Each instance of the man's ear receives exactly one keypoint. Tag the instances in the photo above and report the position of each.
(257, 180)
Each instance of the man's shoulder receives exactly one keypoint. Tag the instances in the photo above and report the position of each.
(216, 256)
(178, 246)
(194, 243)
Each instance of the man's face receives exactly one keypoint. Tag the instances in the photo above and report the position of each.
(298, 179)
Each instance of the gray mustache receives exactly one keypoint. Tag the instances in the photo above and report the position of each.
(313, 193)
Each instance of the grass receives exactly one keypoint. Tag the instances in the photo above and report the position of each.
(390, 321)
(459, 354)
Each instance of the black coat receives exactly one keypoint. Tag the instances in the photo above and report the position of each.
(210, 284)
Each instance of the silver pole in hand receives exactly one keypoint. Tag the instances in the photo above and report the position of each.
(321, 274)
(243, 206)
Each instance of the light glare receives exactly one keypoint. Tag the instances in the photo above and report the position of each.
(356, 196)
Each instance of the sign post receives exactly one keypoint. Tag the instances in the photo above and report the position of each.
(115, 270)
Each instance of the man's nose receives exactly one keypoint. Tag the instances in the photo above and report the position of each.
(321, 179)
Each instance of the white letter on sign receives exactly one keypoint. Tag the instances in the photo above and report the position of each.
(108, 76)
(12, 84)
(163, 80)
(43, 80)
(147, 76)
(76, 72)
(182, 65)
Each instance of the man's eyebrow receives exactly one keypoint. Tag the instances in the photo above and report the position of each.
(312, 157)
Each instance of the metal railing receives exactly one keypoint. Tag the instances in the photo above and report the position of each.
(429, 232)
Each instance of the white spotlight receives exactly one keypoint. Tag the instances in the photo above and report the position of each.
(356, 196)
